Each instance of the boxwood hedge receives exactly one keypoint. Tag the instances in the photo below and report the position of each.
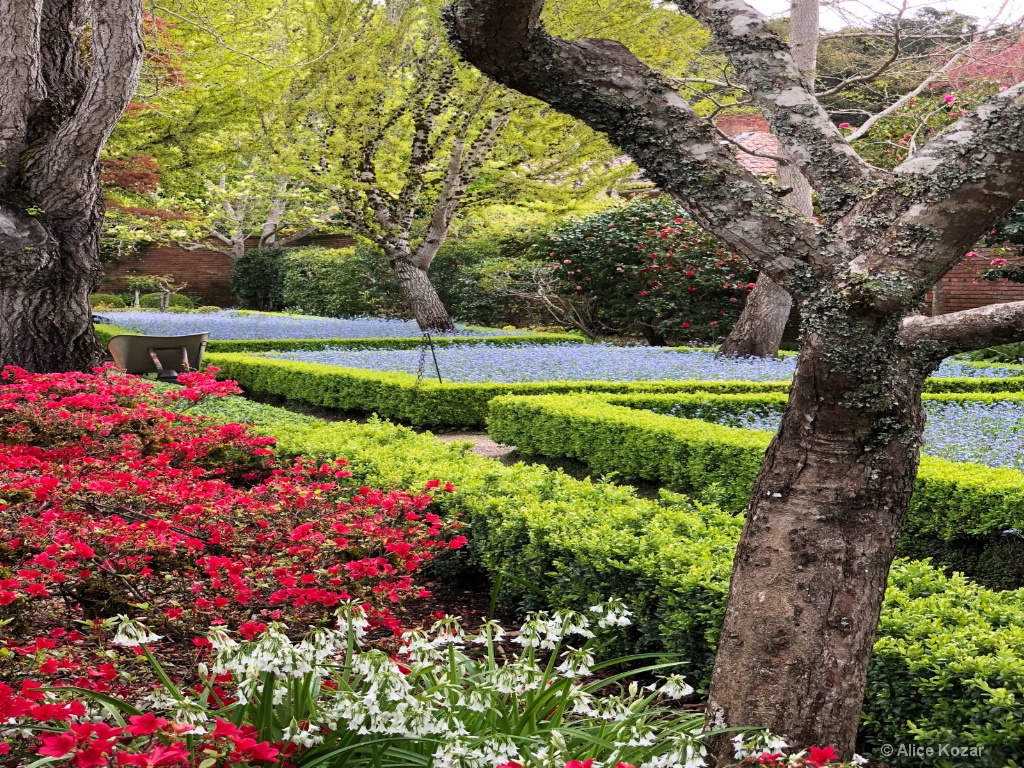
(958, 513)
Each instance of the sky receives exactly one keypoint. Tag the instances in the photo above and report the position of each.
(832, 17)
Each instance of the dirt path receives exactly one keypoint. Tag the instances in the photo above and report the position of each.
(483, 445)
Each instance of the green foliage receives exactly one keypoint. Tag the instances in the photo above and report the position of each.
(341, 282)
(647, 267)
(571, 543)
(427, 403)
(957, 514)
(106, 301)
(258, 280)
(947, 668)
(177, 301)
(1004, 353)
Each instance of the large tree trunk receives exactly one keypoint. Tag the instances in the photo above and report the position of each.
(47, 271)
(56, 113)
(424, 303)
(811, 567)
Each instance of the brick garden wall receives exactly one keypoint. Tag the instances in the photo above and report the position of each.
(961, 289)
(207, 272)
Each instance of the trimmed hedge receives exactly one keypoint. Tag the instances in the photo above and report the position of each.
(104, 332)
(395, 395)
(957, 514)
(294, 345)
(947, 663)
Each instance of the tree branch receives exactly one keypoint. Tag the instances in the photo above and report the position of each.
(607, 87)
(955, 187)
(54, 173)
(968, 330)
(805, 131)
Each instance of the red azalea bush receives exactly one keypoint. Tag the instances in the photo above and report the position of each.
(115, 502)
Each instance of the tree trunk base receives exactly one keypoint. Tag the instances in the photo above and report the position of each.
(419, 293)
(758, 332)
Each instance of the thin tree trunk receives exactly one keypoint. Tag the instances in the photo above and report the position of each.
(758, 332)
(811, 567)
(418, 292)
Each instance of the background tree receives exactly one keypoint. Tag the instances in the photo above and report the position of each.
(810, 570)
(61, 92)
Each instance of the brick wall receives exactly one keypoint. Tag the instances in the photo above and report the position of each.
(207, 272)
(961, 289)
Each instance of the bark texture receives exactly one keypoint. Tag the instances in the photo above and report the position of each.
(811, 566)
(758, 331)
(56, 113)
(828, 503)
(426, 306)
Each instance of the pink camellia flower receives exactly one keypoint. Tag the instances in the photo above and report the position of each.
(998, 262)
(949, 98)
(844, 125)
(970, 255)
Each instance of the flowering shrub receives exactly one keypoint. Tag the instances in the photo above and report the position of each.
(648, 267)
(114, 501)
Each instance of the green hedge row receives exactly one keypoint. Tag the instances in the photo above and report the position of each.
(947, 663)
(957, 514)
(105, 332)
(395, 395)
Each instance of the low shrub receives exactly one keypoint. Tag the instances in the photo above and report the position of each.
(152, 301)
(424, 403)
(206, 308)
(958, 513)
(558, 543)
(106, 301)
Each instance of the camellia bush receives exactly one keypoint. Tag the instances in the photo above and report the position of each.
(647, 268)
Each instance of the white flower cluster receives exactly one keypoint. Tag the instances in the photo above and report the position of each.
(473, 712)
(130, 632)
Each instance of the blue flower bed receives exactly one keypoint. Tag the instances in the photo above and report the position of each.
(989, 433)
(590, 362)
(232, 324)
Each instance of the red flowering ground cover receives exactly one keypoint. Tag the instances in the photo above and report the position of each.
(115, 502)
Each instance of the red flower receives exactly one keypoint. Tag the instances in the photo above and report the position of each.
(578, 764)
(57, 746)
(821, 755)
(175, 754)
(143, 725)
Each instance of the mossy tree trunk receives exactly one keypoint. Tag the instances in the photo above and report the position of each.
(56, 113)
(829, 501)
